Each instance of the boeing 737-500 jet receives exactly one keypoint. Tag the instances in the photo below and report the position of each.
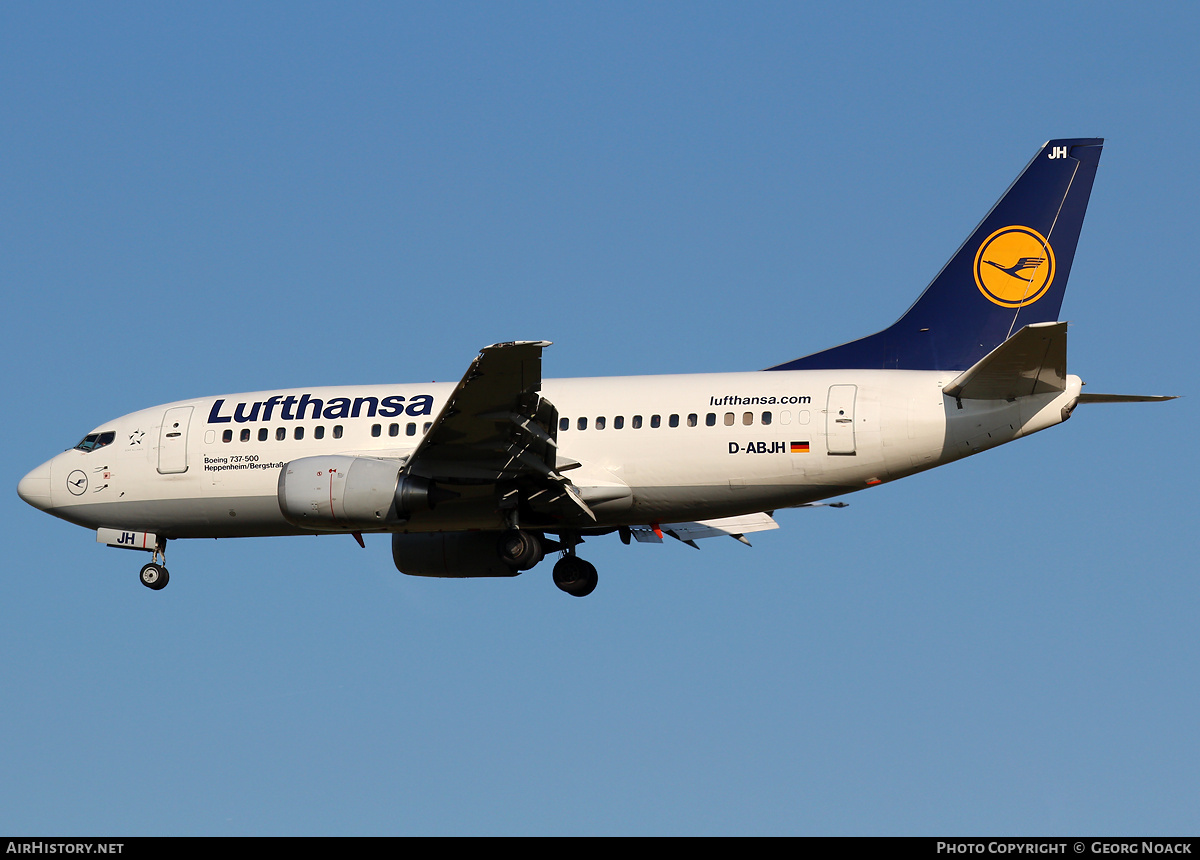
(485, 477)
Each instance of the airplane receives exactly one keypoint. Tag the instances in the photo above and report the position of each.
(486, 477)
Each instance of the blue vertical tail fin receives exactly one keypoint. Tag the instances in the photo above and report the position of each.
(1011, 272)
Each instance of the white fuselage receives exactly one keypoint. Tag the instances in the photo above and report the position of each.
(650, 449)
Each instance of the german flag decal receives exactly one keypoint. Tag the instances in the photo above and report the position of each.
(799, 447)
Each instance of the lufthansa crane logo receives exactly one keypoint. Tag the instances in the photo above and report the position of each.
(77, 483)
(1014, 267)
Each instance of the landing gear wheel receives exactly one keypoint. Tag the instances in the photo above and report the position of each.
(155, 576)
(520, 549)
(575, 576)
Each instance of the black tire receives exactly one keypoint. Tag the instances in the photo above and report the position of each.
(520, 549)
(575, 576)
(154, 576)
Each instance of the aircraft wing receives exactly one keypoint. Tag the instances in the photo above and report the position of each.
(496, 426)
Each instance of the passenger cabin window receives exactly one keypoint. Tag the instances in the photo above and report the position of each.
(655, 420)
(245, 436)
(564, 423)
(600, 423)
(262, 434)
(227, 436)
(92, 441)
(673, 420)
(298, 433)
(710, 419)
(337, 431)
(319, 432)
(637, 422)
(618, 422)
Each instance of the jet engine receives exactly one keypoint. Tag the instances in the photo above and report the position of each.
(466, 554)
(339, 492)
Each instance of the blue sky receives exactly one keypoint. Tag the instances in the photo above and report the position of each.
(233, 197)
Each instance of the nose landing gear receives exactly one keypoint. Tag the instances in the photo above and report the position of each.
(154, 575)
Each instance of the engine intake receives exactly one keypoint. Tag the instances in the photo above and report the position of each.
(343, 493)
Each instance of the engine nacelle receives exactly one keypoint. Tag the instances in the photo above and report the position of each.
(450, 554)
(343, 493)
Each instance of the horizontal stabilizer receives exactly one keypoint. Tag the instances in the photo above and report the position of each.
(734, 527)
(1125, 398)
(1032, 361)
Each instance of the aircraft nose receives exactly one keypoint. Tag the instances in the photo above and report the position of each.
(35, 487)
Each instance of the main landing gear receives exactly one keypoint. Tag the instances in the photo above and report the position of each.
(571, 573)
(154, 575)
(522, 550)
(575, 576)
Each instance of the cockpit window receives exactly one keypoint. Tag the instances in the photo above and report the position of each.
(92, 441)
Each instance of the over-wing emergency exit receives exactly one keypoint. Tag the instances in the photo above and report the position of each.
(486, 477)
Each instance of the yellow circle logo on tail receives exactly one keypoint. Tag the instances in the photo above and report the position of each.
(1014, 267)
